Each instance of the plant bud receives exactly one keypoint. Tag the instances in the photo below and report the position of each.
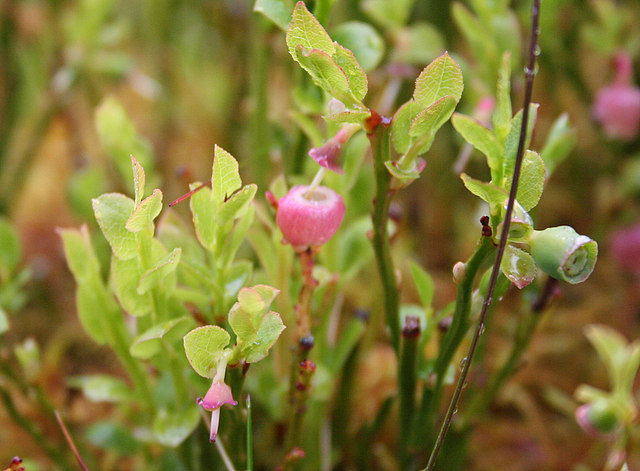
(597, 418)
(617, 106)
(309, 217)
(563, 254)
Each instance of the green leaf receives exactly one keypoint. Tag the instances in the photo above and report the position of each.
(144, 214)
(306, 31)
(204, 346)
(154, 276)
(203, 211)
(255, 339)
(532, 177)
(503, 112)
(4, 321)
(91, 312)
(492, 194)
(120, 139)
(171, 428)
(125, 277)
(363, 40)
(481, 138)
(403, 178)
(102, 388)
(429, 120)
(421, 43)
(441, 78)
(149, 343)
(518, 266)
(400, 126)
(9, 248)
(325, 73)
(236, 205)
(138, 180)
(356, 77)
(112, 210)
(113, 436)
(511, 142)
(81, 257)
(251, 301)
(389, 14)
(559, 144)
(424, 284)
(481, 40)
(278, 11)
(237, 277)
(267, 293)
(225, 177)
(349, 116)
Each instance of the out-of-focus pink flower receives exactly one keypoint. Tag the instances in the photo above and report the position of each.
(625, 248)
(218, 395)
(309, 217)
(617, 106)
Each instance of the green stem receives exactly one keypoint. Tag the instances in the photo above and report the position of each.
(522, 339)
(249, 435)
(453, 337)
(407, 386)
(380, 144)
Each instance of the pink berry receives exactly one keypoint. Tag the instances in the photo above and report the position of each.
(309, 217)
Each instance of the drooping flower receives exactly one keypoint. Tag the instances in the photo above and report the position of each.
(309, 216)
(218, 395)
(617, 106)
(328, 155)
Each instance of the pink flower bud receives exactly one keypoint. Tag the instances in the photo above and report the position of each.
(309, 217)
(617, 106)
(597, 419)
(218, 395)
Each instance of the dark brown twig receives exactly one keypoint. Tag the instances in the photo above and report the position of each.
(529, 75)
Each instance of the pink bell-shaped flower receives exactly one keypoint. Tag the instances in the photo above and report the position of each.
(218, 395)
(309, 217)
(328, 155)
(617, 106)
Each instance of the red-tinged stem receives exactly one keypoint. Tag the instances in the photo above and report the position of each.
(187, 195)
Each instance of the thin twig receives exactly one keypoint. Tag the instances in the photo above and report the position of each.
(225, 457)
(69, 439)
(529, 75)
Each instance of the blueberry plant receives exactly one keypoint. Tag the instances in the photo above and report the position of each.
(243, 314)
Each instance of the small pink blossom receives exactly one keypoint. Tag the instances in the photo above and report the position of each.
(617, 106)
(328, 155)
(218, 395)
(309, 217)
